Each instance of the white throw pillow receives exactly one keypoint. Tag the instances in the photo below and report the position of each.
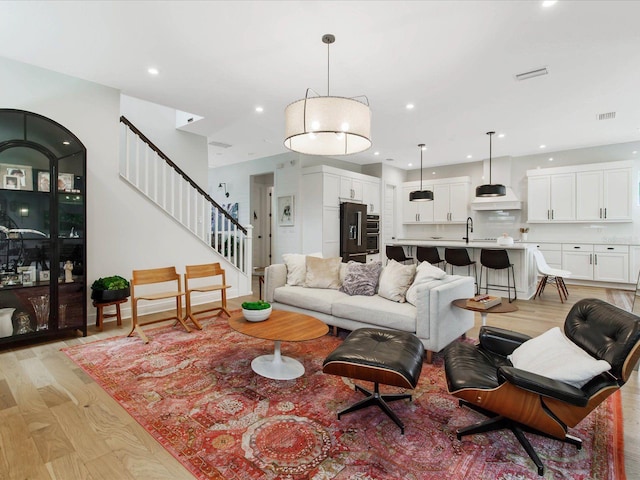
(425, 273)
(297, 267)
(323, 272)
(395, 279)
(553, 355)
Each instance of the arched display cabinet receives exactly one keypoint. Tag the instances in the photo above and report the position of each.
(42, 229)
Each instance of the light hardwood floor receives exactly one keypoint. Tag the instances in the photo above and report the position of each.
(56, 423)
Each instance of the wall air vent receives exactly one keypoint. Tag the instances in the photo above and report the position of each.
(219, 144)
(607, 116)
(532, 73)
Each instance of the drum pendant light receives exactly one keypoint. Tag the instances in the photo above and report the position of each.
(421, 195)
(328, 125)
(490, 190)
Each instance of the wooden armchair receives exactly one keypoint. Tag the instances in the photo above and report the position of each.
(209, 270)
(166, 276)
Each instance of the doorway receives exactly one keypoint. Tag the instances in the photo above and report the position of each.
(388, 216)
(260, 216)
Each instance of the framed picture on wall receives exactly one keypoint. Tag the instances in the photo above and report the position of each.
(286, 214)
(16, 177)
(44, 182)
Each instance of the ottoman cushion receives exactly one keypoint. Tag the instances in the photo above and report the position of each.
(382, 356)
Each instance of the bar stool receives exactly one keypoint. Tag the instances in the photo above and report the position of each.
(459, 257)
(497, 259)
(429, 254)
(396, 252)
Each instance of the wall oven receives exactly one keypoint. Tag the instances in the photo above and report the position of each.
(373, 234)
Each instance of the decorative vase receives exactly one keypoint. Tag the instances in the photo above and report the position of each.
(41, 307)
(6, 324)
(524, 236)
(257, 315)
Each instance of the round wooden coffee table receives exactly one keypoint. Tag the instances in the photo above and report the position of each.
(504, 307)
(281, 326)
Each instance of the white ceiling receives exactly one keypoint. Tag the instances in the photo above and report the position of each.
(454, 60)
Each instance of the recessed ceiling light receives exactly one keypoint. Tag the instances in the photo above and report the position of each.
(469, 156)
(153, 71)
(501, 135)
(543, 146)
(259, 109)
(66, 142)
(634, 152)
(410, 164)
(549, 3)
(410, 106)
(376, 153)
(551, 159)
(433, 173)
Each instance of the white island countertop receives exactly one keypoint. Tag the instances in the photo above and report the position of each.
(413, 242)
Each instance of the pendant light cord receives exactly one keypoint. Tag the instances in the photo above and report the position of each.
(328, 47)
(421, 147)
(490, 135)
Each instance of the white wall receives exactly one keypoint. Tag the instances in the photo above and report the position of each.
(158, 123)
(124, 231)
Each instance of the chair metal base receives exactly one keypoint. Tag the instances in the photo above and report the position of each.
(375, 398)
(493, 286)
(498, 422)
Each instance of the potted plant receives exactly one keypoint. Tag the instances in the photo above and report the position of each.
(108, 289)
(256, 311)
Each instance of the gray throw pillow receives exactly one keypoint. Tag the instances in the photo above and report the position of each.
(361, 278)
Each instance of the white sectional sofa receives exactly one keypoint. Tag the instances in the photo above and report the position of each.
(433, 319)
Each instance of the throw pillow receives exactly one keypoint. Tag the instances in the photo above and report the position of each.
(296, 267)
(553, 355)
(323, 272)
(361, 278)
(425, 273)
(395, 279)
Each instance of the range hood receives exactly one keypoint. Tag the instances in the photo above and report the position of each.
(507, 202)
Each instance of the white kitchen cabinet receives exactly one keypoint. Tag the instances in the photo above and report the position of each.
(450, 202)
(351, 189)
(603, 263)
(551, 198)
(371, 197)
(634, 263)
(416, 212)
(330, 189)
(552, 253)
(604, 195)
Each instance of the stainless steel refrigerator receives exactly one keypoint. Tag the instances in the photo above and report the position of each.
(353, 232)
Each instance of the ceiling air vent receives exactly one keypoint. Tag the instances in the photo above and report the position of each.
(607, 116)
(219, 144)
(532, 73)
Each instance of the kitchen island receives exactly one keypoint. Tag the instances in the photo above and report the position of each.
(520, 255)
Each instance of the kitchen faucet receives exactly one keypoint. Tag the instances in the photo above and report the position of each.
(469, 228)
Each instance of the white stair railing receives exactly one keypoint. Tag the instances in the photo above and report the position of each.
(157, 177)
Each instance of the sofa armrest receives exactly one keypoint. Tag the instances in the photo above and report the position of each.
(274, 276)
(438, 321)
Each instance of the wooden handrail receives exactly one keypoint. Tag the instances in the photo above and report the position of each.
(186, 177)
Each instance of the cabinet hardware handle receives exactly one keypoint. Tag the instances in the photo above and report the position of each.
(552, 214)
(596, 259)
(591, 259)
(548, 216)
(600, 216)
(610, 248)
(605, 212)
(576, 247)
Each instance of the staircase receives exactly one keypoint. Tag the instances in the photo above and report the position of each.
(147, 169)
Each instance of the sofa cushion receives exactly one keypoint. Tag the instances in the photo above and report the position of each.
(361, 278)
(376, 310)
(395, 279)
(425, 273)
(316, 299)
(322, 272)
(297, 267)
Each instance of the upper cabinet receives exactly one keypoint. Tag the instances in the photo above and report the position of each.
(450, 201)
(552, 198)
(604, 195)
(350, 189)
(583, 193)
(371, 197)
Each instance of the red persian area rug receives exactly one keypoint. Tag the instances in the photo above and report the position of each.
(198, 397)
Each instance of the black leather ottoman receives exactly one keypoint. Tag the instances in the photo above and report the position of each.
(379, 356)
